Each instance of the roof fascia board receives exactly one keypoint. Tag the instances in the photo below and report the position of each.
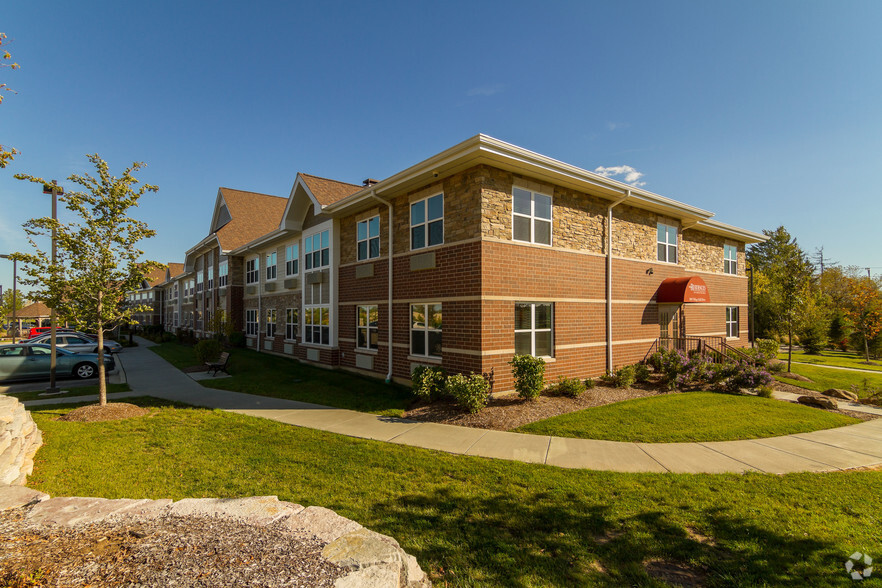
(317, 208)
(262, 240)
(724, 230)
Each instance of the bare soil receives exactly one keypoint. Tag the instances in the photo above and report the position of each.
(112, 411)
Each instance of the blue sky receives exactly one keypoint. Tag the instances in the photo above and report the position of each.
(766, 113)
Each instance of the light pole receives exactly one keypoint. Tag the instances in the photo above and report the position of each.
(55, 190)
(14, 280)
(750, 326)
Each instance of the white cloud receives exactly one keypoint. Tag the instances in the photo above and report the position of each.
(485, 90)
(631, 175)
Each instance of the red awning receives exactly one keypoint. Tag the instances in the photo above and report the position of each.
(683, 290)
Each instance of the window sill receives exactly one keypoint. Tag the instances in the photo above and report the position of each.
(426, 248)
(367, 351)
(317, 345)
(425, 359)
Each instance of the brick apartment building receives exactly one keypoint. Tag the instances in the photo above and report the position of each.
(495, 250)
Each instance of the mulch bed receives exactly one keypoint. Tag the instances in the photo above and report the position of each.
(112, 411)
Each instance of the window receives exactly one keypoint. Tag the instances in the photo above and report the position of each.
(533, 329)
(270, 322)
(667, 243)
(730, 259)
(223, 269)
(271, 266)
(200, 277)
(427, 222)
(175, 295)
(732, 329)
(251, 321)
(316, 325)
(191, 286)
(175, 319)
(292, 260)
(252, 271)
(210, 274)
(366, 328)
(368, 238)
(425, 330)
(531, 216)
(291, 320)
(317, 250)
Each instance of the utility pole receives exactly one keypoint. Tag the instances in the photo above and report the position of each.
(55, 190)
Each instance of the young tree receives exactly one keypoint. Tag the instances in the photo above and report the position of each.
(6, 305)
(6, 153)
(864, 310)
(97, 261)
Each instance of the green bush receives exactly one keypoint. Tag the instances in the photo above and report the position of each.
(777, 367)
(470, 392)
(624, 377)
(428, 382)
(641, 373)
(571, 387)
(590, 383)
(768, 347)
(237, 339)
(529, 375)
(764, 390)
(207, 350)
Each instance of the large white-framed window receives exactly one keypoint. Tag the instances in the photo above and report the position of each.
(667, 243)
(531, 216)
(271, 266)
(317, 250)
(175, 319)
(367, 320)
(534, 329)
(191, 286)
(368, 237)
(425, 329)
(730, 259)
(223, 270)
(427, 222)
(270, 323)
(200, 280)
(292, 260)
(317, 325)
(732, 329)
(209, 273)
(292, 316)
(252, 271)
(251, 322)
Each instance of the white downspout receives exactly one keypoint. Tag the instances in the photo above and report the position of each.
(609, 339)
(389, 313)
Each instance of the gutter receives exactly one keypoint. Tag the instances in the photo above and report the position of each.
(373, 194)
(609, 339)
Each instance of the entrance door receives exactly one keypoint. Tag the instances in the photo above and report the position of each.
(669, 325)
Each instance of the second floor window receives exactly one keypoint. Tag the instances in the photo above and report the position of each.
(210, 274)
(667, 243)
(271, 266)
(427, 222)
(222, 272)
(369, 238)
(730, 259)
(317, 251)
(252, 271)
(292, 260)
(200, 277)
(531, 217)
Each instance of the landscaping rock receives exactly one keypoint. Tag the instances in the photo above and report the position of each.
(17, 496)
(839, 393)
(19, 440)
(818, 402)
(797, 377)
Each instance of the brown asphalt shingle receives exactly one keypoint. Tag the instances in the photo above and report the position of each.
(253, 215)
(328, 191)
(175, 269)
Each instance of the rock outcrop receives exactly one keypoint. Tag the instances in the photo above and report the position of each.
(19, 440)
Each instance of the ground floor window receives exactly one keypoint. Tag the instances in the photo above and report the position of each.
(175, 319)
(291, 322)
(270, 322)
(425, 329)
(533, 328)
(317, 325)
(251, 322)
(366, 336)
(732, 329)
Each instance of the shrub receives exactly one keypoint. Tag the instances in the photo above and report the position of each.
(237, 339)
(428, 382)
(590, 383)
(529, 375)
(777, 367)
(624, 376)
(207, 350)
(470, 392)
(571, 387)
(768, 347)
(765, 391)
(746, 375)
(671, 364)
(641, 372)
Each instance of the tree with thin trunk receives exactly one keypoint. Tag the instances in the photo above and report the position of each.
(97, 261)
(7, 154)
(864, 310)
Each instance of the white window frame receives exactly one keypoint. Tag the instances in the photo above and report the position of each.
(666, 243)
(309, 250)
(733, 327)
(532, 330)
(313, 325)
(223, 272)
(271, 324)
(730, 262)
(366, 328)
(175, 319)
(368, 239)
(426, 221)
(424, 330)
(271, 266)
(210, 275)
(292, 259)
(252, 273)
(291, 325)
(251, 324)
(200, 281)
(532, 217)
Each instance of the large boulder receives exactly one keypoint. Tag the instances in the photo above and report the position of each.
(19, 441)
(818, 402)
(839, 393)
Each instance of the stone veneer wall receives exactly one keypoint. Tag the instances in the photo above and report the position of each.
(19, 440)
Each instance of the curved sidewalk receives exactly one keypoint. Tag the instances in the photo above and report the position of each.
(829, 450)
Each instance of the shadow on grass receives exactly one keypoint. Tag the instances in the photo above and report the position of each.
(563, 541)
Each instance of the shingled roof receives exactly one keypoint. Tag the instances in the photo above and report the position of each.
(175, 269)
(251, 216)
(328, 191)
(155, 276)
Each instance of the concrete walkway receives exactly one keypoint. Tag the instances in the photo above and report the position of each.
(839, 367)
(834, 449)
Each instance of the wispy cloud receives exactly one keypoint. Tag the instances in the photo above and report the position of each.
(612, 126)
(485, 90)
(630, 175)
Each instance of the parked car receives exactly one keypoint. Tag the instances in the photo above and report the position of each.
(77, 342)
(28, 361)
(37, 331)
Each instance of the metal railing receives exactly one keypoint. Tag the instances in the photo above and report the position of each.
(713, 349)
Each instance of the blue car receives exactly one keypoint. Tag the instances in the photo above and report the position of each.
(30, 361)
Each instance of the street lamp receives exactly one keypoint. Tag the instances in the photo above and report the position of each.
(14, 275)
(55, 190)
(751, 334)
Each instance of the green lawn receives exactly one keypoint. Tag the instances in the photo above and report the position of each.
(71, 391)
(824, 378)
(482, 522)
(280, 377)
(690, 416)
(834, 358)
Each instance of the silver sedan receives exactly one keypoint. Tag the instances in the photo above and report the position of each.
(28, 361)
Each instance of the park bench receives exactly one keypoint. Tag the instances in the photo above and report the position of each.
(220, 365)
